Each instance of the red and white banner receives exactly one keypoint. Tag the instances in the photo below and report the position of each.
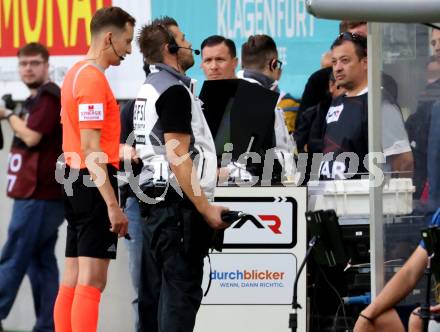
(63, 26)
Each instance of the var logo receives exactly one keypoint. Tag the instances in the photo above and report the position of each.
(272, 221)
(268, 222)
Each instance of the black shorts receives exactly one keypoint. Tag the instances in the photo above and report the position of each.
(88, 224)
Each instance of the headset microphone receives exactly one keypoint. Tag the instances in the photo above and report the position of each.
(196, 52)
(173, 48)
(113, 48)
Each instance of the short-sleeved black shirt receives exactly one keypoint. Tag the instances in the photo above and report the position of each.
(174, 110)
(346, 131)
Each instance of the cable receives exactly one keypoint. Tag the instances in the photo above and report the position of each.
(337, 294)
(335, 319)
(293, 317)
(312, 243)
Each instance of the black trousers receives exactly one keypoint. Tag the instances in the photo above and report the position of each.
(170, 290)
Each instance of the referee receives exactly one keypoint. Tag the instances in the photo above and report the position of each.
(91, 130)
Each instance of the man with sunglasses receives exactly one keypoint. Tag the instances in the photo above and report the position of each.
(346, 127)
(37, 210)
(260, 63)
(316, 88)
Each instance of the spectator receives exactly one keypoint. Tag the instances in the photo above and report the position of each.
(433, 69)
(347, 118)
(308, 137)
(361, 28)
(315, 91)
(38, 207)
(326, 60)
(435, 43)
(357, 27)
(418, 125)
(91, 132)
(219, 58)
(316, 88)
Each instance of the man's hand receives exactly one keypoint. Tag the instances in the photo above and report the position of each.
(118, 220)
(128, 152)
(213, 216)
(223, 174)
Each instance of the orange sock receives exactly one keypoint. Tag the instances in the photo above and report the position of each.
(62, 309)
(85, 309)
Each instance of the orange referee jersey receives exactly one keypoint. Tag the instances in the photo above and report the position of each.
(87, 102)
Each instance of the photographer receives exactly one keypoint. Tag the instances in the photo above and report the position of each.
(178, 152)
(38, 207)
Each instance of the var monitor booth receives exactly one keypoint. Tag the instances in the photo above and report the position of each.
(273, 237)
(251, 281)
(241, 118)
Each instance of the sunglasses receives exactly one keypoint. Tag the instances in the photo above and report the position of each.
(350, 36)
(354, 38)
(278, 64)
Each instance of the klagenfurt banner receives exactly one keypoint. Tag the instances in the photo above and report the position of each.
(62, 25)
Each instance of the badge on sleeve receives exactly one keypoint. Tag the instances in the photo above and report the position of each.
(91, 112)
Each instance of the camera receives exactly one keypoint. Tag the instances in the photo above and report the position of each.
(7, 102)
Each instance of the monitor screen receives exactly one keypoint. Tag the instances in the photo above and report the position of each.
(241, 113)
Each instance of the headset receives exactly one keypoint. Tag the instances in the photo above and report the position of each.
(119, 56)
(173, 48)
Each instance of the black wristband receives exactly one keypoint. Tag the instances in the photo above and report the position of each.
(367, 318)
